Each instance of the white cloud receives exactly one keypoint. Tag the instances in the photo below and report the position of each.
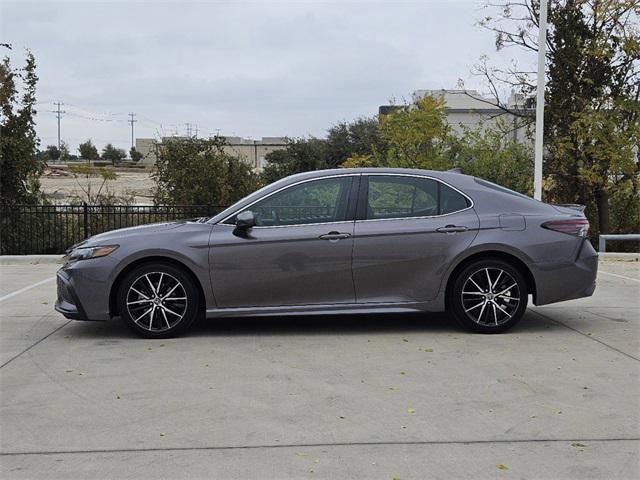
(246, 68)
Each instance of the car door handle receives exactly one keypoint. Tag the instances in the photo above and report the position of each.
(334, 236)
(451, 229)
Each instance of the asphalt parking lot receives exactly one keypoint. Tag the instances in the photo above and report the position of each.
(389, 396)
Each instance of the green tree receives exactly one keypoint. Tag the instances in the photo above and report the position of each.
(20, 164)
(300, 155)
(346, 139)
(85, 175)
(198, 171)
(113, 154)
(492, 154)
(88, 151)
(49, 154)
(135, 155)
(592, 112)
(412, 136)
(65, 154)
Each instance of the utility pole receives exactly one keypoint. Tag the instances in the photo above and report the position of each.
(58, 113)
(196, 129)
(132, 121)
(539, 143)
(188, 129)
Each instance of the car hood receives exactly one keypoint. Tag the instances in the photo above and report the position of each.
(121, 233)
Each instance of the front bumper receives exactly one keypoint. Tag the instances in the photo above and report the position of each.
(83, 289)
(67, 302)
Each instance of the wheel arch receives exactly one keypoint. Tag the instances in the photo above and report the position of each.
(510, 258)
(115, 286)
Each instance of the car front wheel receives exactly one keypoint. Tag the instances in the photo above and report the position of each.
(488, 296)
(158, 300)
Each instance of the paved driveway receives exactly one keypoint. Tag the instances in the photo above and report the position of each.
(394, 396)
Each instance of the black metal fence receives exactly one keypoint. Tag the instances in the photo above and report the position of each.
(52, 229)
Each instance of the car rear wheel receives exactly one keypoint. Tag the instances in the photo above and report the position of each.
(488, 296)
(158, 300)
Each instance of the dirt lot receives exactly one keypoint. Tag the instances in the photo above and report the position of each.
(385, 396)
(60, 186)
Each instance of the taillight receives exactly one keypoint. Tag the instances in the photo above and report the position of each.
(578, 226)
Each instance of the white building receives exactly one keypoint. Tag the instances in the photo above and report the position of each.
(470, 109)
(251, 151)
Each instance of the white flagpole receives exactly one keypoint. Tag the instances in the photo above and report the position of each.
(542, 52)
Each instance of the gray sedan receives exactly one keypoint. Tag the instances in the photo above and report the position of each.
(339, 241)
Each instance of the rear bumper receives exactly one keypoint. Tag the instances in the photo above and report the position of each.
(560, 281)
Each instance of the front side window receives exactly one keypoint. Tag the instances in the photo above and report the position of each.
(401, 197)
(317, 201)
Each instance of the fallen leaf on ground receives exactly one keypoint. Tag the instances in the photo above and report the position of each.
(501, 466)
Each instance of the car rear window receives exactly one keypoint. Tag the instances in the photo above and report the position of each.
(500, 188)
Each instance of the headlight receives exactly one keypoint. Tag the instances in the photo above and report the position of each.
(85, 253)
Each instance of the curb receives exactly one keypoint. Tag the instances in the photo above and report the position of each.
(30, 259)
(618, 257)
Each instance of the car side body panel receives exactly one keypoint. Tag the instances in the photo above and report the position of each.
(280, 266)
(402, 260)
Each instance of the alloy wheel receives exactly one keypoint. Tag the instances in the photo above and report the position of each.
(490, 296)
(156, 301)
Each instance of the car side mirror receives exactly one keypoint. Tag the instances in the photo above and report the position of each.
(245, 220)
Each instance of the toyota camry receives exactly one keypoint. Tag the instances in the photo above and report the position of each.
(339, 241)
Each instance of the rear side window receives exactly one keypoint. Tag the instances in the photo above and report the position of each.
(397, 197)
(405, 197)
(451, 201)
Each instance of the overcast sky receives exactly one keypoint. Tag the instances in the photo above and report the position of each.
(250, 69)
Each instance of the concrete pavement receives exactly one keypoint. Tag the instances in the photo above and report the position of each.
(404, 396)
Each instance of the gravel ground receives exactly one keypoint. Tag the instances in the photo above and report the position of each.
(134, 184)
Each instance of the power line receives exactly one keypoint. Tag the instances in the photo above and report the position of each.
(132, 121)
(58, 113)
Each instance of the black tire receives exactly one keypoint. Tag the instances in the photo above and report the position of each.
(167, 315)
(494, 308)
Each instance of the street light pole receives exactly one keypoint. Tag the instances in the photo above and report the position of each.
(539, 144)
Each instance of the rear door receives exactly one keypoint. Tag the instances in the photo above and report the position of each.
(408, 230)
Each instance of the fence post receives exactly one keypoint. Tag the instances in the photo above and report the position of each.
(602, 244)
(85, 214)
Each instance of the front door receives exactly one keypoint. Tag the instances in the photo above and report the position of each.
(299, 252)
(408, 231)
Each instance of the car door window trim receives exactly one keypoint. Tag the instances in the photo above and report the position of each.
(363, 198)
(355, 182)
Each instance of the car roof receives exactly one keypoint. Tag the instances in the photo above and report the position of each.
(450, 176)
